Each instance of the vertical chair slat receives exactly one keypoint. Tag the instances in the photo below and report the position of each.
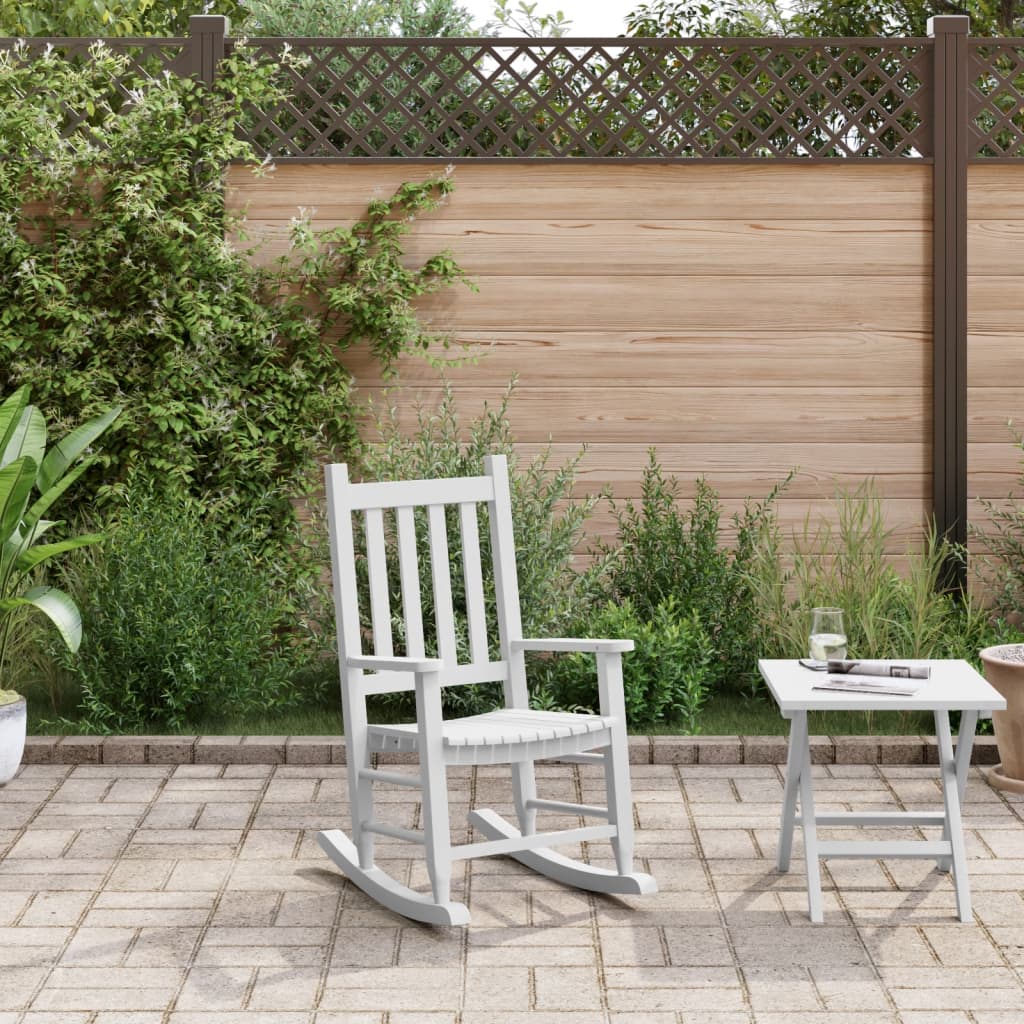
(377, 570)
(474, 580)
(409, 573)
(444, 614)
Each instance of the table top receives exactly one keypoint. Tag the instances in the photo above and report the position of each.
(954, 685)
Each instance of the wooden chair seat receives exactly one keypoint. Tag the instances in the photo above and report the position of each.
(501, 736)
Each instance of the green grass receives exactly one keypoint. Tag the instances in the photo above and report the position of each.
(724, 715)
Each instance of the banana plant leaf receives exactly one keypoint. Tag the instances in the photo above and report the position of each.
(56, 605)
(16, 482)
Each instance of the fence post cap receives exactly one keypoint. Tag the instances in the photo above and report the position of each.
(207, 23)
(944, 24)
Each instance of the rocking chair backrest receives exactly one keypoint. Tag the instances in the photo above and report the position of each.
(386, 511)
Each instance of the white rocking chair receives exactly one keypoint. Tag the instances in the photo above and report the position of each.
(514, 735)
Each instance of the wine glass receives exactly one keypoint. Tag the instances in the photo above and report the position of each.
(828, 634)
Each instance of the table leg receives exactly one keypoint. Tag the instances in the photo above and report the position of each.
(951, 787)
(964, 746)
(810, 826)
(797, 732)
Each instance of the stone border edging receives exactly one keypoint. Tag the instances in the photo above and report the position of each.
(325, 750)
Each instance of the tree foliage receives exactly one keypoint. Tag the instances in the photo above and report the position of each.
(809, 18)
(119, 287)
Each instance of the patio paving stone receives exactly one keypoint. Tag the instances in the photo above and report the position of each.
(196, 894)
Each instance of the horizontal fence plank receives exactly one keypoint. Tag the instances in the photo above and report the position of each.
(996, 247)
(994, 302)
(996, 356)
(990, 411)
(894, 303)
(630, 248)
(994, 469)
(745, 470)
(828, 191)
(653, 415)
(995, 191)
(688, 358)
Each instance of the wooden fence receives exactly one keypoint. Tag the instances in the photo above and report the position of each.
(755, 255)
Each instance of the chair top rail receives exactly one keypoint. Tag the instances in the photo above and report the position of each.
(405, 493)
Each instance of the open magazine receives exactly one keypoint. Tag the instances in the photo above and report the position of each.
(886, 677)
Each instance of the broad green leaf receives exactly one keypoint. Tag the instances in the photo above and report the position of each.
(10, 414)
(57, 606)
(51, 494)
(16, 482)
(41, 552)
(69, 448)
(27, 438)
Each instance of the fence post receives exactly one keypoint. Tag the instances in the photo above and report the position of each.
(206, 45)
(949, 284)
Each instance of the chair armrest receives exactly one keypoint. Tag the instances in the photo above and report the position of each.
(564, 644)
(393, 664)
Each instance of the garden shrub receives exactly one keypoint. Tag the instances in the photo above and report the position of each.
(548, 526)
(181, 620)
(118, 286)
(887, 614)
(663, 551)
(666, 678)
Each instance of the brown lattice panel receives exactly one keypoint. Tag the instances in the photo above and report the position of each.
(655, 99)
(147, 58)
(995, 98)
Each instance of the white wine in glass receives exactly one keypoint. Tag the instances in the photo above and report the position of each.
(828, 634)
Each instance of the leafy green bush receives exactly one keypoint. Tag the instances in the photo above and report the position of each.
(666, 678)
(548, 527)
(664, 552)
(1001, 562)
(118, 285)
(181, 621)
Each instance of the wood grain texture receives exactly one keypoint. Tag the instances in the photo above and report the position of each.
(560, 359)
(842, 190)
(743, 470)
(995, 192)
(745, 319)
(657, 415)
(654, 248)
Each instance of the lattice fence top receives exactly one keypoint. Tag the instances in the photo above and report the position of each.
(651, 99)
(995, 98)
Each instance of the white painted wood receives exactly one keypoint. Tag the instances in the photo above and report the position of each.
(954, 685)
(515, 735)
(474, 583)
(954, 826)
(880, 819)
(809, 826)
(871, 848)
(460, 675)
(409, 574)
(385, 890)
(377, 569)
(585, 810)
(409, 493)
(564, 644)
(788, 820)
(564, 869)
(538, 841)
(444, 614)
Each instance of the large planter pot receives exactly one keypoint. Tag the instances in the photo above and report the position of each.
(13, 718)
(1004, 669)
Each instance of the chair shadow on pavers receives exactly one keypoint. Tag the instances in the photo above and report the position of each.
(407, 525)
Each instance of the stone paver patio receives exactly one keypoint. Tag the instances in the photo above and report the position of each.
(196, 894)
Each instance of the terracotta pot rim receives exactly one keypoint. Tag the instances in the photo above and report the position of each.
(992, 654)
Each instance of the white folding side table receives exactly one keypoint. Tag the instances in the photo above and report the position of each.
(953, 686)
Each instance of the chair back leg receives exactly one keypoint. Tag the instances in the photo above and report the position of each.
(524, 789)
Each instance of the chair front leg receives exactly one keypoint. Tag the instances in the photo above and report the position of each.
(436, 834)
(616, 760)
